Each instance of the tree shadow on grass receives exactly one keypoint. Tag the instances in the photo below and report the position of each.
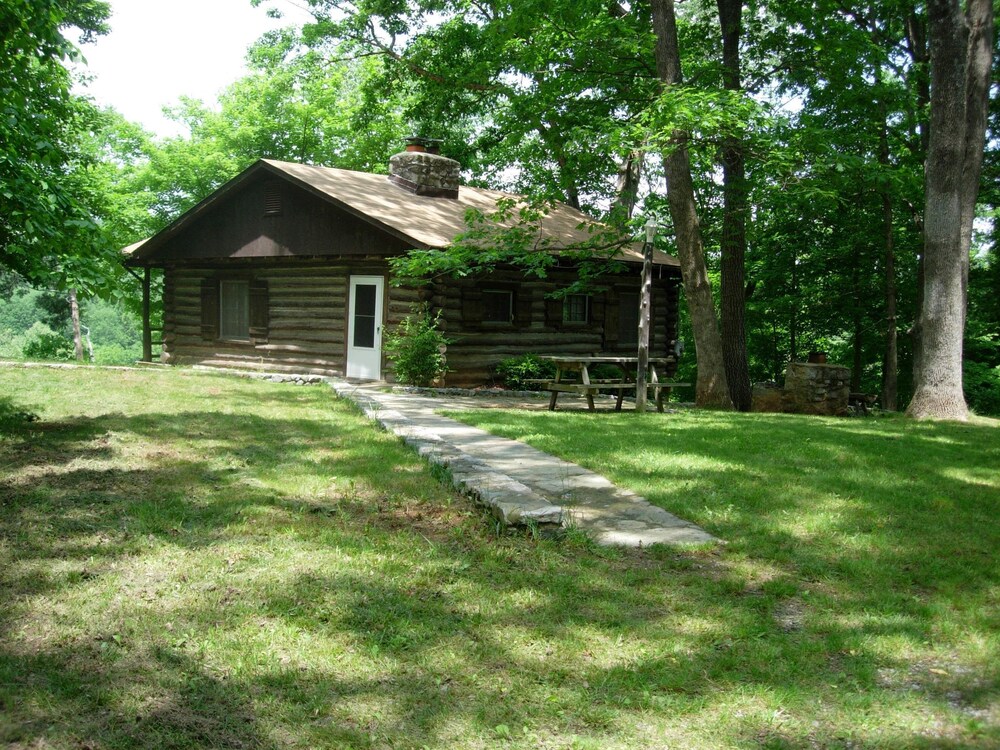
(99, 693)
(370, 632)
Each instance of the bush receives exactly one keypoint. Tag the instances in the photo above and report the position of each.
(20, 310)
(981, 384)
(112, 325)
(11, 344)
(416, 348)
(515, 372)
(981, 373)
(116, 354)
(41, 342)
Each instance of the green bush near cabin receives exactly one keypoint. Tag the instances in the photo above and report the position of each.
(416, 348)
(517, 373)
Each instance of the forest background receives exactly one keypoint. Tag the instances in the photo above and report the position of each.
(806, 126)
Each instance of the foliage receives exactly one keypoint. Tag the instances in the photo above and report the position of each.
(20, 308)
(516, 372)
(115, 330)
(981, 373)
(116, 354)
(514, 235)
(558, 100)
(41, 342)
(11, 344)
(47, 231)
(268, 533)
(112, 325)
(416, 348)
(982, 387)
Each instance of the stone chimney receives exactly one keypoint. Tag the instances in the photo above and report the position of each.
(423, 171)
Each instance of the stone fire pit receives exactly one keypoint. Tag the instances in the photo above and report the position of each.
(810, 388)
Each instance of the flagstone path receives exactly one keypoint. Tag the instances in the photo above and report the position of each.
(520, 484)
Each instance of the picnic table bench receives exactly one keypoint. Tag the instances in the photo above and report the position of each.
(573, 376)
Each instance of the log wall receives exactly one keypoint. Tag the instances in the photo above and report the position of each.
(306, 330)
(476, 349)
(307, 300)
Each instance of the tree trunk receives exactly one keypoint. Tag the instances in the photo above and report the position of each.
(734, 222)
(979, 63)
(857, 316)
(711, 388)
(74, 311)
(890, 358)
(627, 187)
(961, 46)
(793, 317)
(916, 33)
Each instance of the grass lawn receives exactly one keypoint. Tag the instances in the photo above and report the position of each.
(198, 561)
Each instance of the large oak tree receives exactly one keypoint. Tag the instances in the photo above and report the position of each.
(961, 44)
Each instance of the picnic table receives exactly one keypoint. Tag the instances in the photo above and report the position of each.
(573, 376)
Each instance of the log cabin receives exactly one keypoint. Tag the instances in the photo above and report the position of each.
(285, 269)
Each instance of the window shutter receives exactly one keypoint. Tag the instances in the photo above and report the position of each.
(522, 307)
(610, 319)
(472, 307)
(210, 309)
(259, 311)
(595, 309)
(553, 312)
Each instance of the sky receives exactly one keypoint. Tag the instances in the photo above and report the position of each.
(159, 50)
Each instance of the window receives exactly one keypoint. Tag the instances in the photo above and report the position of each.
(576, 308)
(234, 310)
(628, 318)
(365, 315)
(498, 306)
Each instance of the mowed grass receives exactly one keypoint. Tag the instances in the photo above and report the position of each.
(191, 561)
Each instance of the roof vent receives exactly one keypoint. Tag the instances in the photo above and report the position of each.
(272, 200)
(422, 170)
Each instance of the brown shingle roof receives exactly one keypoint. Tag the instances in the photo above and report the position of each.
(423, 221)
(435, 222)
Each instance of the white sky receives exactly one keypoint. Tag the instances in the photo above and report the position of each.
(159, 50)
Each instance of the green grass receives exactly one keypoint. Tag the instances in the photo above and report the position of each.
(199, 561)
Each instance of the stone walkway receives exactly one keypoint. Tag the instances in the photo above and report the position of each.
(520, 484)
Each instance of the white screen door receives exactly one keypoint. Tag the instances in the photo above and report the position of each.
(364, 328)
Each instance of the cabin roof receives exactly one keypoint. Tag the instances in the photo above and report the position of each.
(422, 221)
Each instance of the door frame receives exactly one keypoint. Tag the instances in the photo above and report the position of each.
(380, 304)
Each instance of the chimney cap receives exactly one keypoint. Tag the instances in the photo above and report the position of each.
(422, 143)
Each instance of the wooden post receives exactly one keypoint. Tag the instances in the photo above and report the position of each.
(147, 332)
(645, 300)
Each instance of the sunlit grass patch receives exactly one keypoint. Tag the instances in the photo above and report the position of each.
(244, 564)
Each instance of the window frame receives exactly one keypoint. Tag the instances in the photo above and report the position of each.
(567, 310)
(511, 307)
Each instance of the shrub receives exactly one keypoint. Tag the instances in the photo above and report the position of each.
(116, 354)
(41, 342)
(11, 344)
(515, 372)
(981, 384)
(416, 348)
(981, 373)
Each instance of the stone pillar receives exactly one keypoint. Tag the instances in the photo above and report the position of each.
(817, 388)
